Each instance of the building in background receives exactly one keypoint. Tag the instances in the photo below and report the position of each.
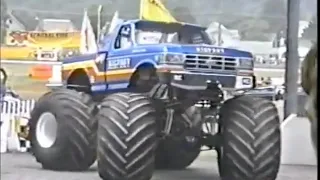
(56, 25)
(229, 38)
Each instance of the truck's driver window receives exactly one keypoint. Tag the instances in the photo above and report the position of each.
(123, 39)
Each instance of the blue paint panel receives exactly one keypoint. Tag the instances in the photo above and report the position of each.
(114, 86)
(137, 50)
(146, 50)
(192, 49)
(98, 87)
(138, 55)
(79, 58)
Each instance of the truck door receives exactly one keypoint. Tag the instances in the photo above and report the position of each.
(101, 61)
(118, 61)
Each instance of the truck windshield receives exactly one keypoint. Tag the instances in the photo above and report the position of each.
(155, 33)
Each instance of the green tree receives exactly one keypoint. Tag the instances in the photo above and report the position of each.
(254, 29)
(275, 13)
(4, 9)
(311, 32)
(183, 14)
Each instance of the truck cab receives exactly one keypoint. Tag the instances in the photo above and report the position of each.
(176, 53)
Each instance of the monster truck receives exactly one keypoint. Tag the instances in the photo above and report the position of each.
(134, 106)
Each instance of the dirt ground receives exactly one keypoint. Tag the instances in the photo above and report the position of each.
(22, 166)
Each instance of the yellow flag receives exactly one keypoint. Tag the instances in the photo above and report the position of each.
(154, 10)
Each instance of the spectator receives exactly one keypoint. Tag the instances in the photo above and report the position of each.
(268, 82)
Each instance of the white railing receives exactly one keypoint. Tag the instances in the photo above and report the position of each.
(17, 108)
(14, 113)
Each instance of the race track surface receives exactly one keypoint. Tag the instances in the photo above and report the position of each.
(22, 166)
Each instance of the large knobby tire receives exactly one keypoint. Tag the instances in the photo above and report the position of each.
(158, 91)
(178, 151)
(250, 134)
(66, 118)
(126, 137)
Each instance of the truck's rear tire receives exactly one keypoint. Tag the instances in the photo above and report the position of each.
(63, 131)
(126, 137)
(250, 134)
(179, 150)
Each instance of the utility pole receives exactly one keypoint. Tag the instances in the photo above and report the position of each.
(100, 9)
(219, 34)
(292, 58)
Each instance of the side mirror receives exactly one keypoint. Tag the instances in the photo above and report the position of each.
(3, 76)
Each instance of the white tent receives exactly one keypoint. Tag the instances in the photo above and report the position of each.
(88, 42)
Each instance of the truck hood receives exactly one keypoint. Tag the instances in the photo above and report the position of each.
(208, 50)
(198, 49)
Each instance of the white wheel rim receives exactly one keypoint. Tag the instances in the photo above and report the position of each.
(46, 130)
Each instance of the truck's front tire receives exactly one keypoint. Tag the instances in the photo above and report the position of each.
(63, 131)
(126, 137)
(250, 134)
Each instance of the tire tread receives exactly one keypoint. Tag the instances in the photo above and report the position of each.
(75, 113)
(252, 139)
(126, 137)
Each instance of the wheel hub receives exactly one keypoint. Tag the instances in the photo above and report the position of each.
(46, 130)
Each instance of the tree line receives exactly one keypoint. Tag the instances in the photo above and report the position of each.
(254, 20)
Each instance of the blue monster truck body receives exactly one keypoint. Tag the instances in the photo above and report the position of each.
(182, 50)
(175, 104)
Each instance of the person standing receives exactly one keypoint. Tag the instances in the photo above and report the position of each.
(309, 76)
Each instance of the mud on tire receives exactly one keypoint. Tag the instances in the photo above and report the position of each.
(250, 130)
(74, 148)
(126, 137)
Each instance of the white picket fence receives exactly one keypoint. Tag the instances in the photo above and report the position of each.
(13, 112)
(17, 107)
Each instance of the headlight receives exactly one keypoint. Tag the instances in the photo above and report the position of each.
(70, 53)
(246, 63)
(171, 59)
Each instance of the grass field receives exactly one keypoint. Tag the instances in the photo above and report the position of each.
(29, 88)
(20, 82)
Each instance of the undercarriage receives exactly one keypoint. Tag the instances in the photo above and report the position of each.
(176, 101)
